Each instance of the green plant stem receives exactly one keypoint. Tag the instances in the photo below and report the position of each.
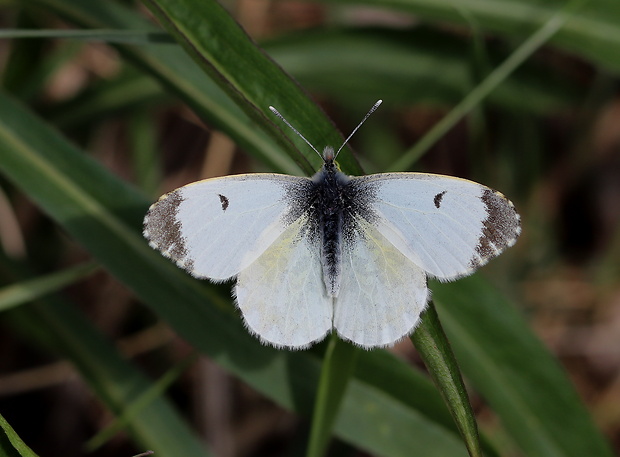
(434, 348)
(338, 366)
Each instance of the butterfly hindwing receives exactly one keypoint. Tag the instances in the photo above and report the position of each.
(217, 227)
(382, 292)
(281, 294)
(447, 226)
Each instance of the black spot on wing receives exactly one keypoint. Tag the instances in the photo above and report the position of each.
(224, 201)
(163, 229)
(438, 198)
(500, 229)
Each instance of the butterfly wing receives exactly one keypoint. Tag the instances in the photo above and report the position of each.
(447, 226)
(217, 227)
(282, 294)
(382, 292)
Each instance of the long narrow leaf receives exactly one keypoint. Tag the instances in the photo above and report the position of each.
(61, 328)
(23, 292)
(524, 385)
(108, 36)
(338, 364)
(245, 73)
(11, 445)
(435, 350)
(176, 71)
(490, 83)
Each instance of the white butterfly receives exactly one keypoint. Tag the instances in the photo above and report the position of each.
(332, 251)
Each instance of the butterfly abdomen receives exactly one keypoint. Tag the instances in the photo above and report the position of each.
(331, 249)
(330, 222)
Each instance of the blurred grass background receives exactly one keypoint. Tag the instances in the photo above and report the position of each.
(548, 138)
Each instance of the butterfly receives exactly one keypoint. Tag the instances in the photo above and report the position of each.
(331, 252)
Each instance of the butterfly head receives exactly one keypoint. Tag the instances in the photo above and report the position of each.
(328, 154)
(329, 159)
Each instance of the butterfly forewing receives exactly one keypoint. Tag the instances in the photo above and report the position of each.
(447, 226)
(217, 227)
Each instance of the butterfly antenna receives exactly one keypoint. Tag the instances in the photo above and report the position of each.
(277, 113)
(372, 110)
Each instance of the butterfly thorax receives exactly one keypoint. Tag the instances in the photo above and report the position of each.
(330, 203)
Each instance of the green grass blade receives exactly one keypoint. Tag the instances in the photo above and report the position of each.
(11, 445)
(140, 403)
(511, 368)
(27, 291)
(177, 73)
(107, 36)
(482, 90)
(223, 50)
(435, 350)
(592, 34)
(338, 365)
(58, 327)
(421, 65)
